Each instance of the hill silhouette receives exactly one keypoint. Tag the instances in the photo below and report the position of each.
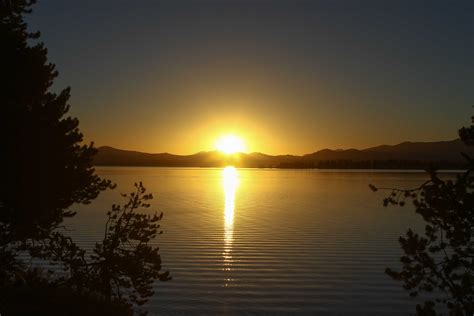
(406, 155)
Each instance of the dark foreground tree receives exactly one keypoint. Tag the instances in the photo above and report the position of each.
(440, 261)
(45, 168)
(43, 165)
(123, 267)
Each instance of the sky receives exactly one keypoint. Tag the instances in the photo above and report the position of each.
(288, 77)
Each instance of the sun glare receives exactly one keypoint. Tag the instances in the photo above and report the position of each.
(230, 144)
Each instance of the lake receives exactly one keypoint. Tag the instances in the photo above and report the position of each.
(266, 240)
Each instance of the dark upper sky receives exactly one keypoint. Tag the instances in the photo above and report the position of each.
(287, 76)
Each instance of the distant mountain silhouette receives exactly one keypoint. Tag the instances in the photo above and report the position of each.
(442, 154)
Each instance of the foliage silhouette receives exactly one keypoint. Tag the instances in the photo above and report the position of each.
(35, 292)
(442, 260)
(124, 266)
(45, 170)
(44, 165)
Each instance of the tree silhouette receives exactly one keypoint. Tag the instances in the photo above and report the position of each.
(440, 261)
(124, 259)
(45, 169)
(124, 266)
(44, 165)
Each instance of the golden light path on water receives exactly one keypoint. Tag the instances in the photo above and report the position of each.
(230, 181)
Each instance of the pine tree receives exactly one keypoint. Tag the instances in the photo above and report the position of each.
(440, 260)
(45, 167)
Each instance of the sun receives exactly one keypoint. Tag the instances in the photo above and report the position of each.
(230, 144)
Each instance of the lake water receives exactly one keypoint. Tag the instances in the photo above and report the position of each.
(258, 240)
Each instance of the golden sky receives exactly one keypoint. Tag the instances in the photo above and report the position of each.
(290, 77)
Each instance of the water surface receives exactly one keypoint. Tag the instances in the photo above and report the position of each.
(264, 240)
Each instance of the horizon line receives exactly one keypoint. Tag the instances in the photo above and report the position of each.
(286, 154)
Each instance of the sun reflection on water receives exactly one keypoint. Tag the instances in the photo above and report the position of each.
(230, 183)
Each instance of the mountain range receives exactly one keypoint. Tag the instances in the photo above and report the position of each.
(409, 155)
